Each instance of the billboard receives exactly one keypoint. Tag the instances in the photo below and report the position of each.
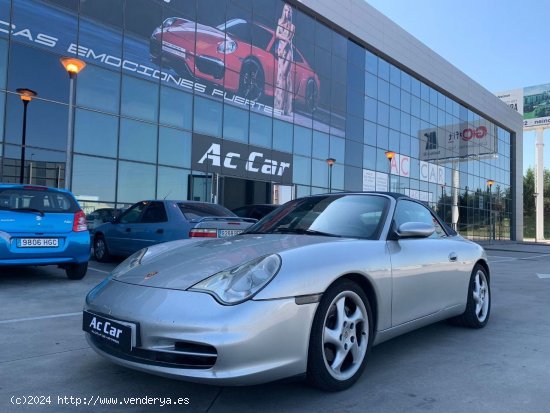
(263, 62)
(532, 102)
(458, 141)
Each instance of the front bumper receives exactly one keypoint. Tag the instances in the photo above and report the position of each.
(254, 342)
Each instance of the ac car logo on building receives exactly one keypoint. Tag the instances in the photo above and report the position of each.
(229, 158)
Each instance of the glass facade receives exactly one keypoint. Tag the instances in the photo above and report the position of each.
(161, 75)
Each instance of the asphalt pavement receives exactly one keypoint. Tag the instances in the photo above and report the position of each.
(504, 367)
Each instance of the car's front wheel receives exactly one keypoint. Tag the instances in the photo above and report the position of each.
(101, 252)
(341, 337)
(251, 82)
(76, 271)
(478, 305)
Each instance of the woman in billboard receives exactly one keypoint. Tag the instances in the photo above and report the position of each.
(284, 34)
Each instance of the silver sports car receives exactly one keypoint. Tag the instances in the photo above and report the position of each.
(308, 290)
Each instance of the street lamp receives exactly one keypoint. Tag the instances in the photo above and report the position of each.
(490, 183)
(26, 96)
(330, 163)
(73, 67)
(390, 155)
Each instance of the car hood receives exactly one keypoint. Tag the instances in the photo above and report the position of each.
(181, 264)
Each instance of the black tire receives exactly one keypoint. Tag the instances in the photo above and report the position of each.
(76, 271)
(101, 251)
(252, 80)
(478, 308)
(311, 96)
(322, 369)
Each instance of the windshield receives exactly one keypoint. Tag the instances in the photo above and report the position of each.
(351, 216)
(42, 200)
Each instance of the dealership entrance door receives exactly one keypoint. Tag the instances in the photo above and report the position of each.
(236, 192)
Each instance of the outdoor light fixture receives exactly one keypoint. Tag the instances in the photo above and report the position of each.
(73, 66)
(490, 183)
(330, 163)
(26, 96)
(390, 155)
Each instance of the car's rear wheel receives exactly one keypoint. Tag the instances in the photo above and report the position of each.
(101, 252)
(341, 337)
(478, 306)
(251, 82)
(76, 271)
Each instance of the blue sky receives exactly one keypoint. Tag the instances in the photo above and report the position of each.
(500, 44)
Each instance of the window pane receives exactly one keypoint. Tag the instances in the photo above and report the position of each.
(302, 141)
(282, 135)
(337, 149)
(172, 183)
(93, 178)
(302, 170)
(175, 147)
(99, 89)
(208, 116)
(136, 182)
(320, 173)
(95, 133)
(139, 98)
(46, 123)
(3, 62)
(320, 145)
(260, 130)
(5, 6)
(176, 108)
(235, 124)
(50, 81)
(138, 141)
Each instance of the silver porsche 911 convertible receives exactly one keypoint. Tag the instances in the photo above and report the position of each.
(308, 290)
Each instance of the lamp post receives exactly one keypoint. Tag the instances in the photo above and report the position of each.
(330, 163)
(390, 155)
(73, 67)
(535, 195)
(490, 183)
(26, 96)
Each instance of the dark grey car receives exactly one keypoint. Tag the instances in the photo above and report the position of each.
(151, 222)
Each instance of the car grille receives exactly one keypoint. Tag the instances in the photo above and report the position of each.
(181, 355)
(210, 66)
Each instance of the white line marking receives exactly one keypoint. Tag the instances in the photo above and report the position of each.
(95, 269)
(45, 317)
(515, 258)
(543, 275)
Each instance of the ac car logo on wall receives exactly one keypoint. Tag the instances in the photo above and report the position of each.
(453, 142)
(235, 159)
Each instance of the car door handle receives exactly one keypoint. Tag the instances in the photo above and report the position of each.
(128, 229)
(160, 231)
(453, 257)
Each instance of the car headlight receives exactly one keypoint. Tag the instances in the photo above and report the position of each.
(227, 46)
(131, 262)
(240, 283)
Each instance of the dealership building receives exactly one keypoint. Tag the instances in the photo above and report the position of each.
(250, 101)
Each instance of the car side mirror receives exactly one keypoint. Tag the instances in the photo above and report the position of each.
(415, 230)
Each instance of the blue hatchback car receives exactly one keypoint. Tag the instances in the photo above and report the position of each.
(43, 226)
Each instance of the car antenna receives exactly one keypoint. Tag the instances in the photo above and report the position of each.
(166, 196)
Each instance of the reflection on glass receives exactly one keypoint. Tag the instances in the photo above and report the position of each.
(3, 62)
(174, 147)
(172, 183)
(139, 98)
(208, 116)
(95, 133)
(98, 89)
(235, 124)
(138, 141)
(176, 108)
(93, 178)
(136, 182)
(260, 130)
(282, 135)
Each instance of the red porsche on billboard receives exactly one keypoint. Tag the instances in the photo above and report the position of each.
(246, 58)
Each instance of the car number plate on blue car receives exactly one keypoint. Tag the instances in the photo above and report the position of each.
(38, 242)
(113, 333)
(223, 233)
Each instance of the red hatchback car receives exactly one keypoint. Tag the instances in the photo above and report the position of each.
(237, 55)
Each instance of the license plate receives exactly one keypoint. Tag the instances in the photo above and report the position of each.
(223, 233)
(38, 242)
(118, 334)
